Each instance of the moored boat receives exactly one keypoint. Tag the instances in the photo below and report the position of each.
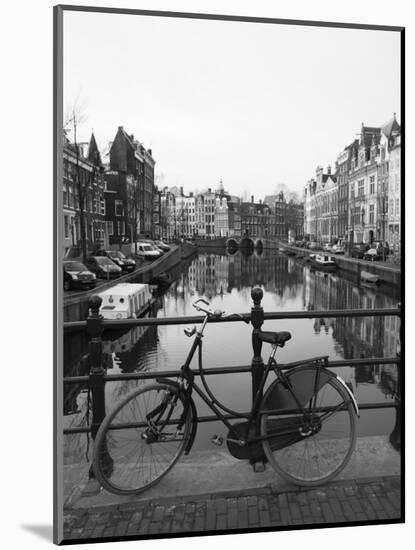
(322, 261)
(125, 301)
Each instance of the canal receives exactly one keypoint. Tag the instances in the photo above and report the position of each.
(225, 280)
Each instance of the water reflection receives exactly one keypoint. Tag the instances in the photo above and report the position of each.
(226, 279)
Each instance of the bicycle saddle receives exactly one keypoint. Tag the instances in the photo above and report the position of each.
(276, 338)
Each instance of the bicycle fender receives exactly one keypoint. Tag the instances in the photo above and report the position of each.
(350, 393)
(192, 437)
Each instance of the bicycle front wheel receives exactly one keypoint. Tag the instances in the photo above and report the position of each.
(308, 448)
(141, 439)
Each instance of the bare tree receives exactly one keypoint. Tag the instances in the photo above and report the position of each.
(74, 117)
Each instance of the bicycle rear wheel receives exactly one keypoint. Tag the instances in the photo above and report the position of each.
(141, 439)
(309, 449)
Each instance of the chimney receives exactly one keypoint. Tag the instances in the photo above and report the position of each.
(191, 194)
(181, 191)
(329, 169)
(209, 190)
(120, 127)
(150, 152)
(260, 201)
(252, 199)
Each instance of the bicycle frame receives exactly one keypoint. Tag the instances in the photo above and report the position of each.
(186, 373)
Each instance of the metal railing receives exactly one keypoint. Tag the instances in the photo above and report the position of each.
(98, 377)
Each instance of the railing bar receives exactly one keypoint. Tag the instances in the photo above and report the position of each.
(227, 370)
(203, 419)
(123, 323)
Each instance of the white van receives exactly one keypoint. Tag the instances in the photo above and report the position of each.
(125, 301)
(146, 251)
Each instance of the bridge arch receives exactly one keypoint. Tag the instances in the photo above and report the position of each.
(232, 243)
(259, 245)
(246, 243)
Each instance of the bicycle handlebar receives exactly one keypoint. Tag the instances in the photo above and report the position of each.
(215, 313)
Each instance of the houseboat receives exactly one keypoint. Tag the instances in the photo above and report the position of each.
(126, 301)
(321, 261)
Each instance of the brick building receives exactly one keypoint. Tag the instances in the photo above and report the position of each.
(83, 181)
(129, 189)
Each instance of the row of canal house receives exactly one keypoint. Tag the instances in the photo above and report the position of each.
(114, 200)
(216, 213)
(360, 200)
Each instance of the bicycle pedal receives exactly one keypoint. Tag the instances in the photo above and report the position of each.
(216, 440)
(258, 467)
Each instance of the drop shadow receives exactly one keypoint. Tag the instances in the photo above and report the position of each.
(45, 532)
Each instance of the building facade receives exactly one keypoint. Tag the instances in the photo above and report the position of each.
(83, 195)
(129, 189)
(321, 207)
(363, 201)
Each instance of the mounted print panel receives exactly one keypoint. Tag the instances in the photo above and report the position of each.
(228, 206)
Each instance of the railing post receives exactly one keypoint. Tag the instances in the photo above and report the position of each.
(96, 370)
(257, 458)
(395, 436)
(257, 320)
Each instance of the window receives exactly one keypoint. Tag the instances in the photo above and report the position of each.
(391, 207)
(372, 185)
(397, 207)
(371, 214)
(118, 208)
(110, 228)
(102, 207)
(71, 197)
(352, 190)
(120, 228)
(361, 188)
(66, 219)
(65, 195)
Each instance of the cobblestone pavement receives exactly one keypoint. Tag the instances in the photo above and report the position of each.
(373, 499)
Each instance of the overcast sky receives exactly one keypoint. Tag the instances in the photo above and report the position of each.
(255, 105)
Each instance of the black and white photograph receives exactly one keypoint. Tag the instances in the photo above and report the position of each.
(229, 249)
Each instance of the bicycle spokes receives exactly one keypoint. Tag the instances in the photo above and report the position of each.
(310, 447)
(144, 435)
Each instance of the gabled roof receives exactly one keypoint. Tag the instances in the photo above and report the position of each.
(391, 127)
(94, 155)
(327, 176)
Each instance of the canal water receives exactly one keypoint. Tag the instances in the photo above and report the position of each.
(226, 280)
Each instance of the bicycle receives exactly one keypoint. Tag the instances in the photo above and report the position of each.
(304, 425)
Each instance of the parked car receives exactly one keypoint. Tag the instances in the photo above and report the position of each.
(146, 251)
(76, 275)
(301, 243)
(126, 264)
(103, 267)
(338, 249)
(328, 247)
(162, 245)
(153, 245)
(378, 251)
(358, 250)
(313, 245)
